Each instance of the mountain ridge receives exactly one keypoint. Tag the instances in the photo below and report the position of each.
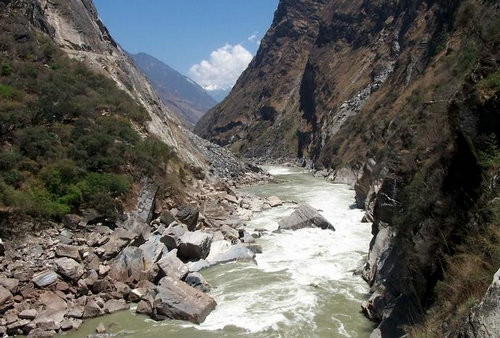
(181, 94)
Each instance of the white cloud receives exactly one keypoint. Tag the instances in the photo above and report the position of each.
(253, 37)
(223, 69)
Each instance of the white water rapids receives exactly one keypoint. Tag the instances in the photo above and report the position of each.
(302, 284)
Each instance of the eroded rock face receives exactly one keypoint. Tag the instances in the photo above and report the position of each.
(484, 319)
(304, 216)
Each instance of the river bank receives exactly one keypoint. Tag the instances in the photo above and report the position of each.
(302, 284)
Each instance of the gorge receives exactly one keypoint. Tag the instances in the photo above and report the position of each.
(385, 113)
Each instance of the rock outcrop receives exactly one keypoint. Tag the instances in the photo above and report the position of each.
(396, 99)
(304, 216)
(484, 319)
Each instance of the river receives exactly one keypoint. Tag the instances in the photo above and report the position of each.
(302, 285)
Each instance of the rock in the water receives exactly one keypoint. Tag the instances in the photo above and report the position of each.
(144, 307)
(484, 318)
(173, 266)
(229, 233)
(92, 309)
(100, 328)
(304, 216)
(198, 265)
(217, 248)
(115, 305)
(188, 216)
(234, 253)
(274, 201)
(69, 268)
(195, 245)
(197, 281)
(177, 300)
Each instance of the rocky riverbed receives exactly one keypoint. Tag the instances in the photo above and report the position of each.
(154, 262)
(302, 284)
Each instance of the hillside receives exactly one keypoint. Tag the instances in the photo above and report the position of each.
(181, 94)
(400, 99)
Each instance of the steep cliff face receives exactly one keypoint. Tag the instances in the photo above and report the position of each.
(75, 26)
(405, 95)
(318, 65)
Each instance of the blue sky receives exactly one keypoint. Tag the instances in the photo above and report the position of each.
(183, 33)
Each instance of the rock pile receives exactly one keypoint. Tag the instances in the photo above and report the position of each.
(54, 279)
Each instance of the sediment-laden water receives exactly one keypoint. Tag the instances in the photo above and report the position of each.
(302, 284)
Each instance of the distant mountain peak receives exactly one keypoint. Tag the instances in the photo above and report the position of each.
(182, 95)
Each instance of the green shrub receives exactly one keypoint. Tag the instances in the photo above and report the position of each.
(491, 82)
(7, 92)
(6, 69)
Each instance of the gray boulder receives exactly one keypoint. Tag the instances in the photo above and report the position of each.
(44, 278)
(195, 245)
(274, 201)
(236, 252)
(69, 268)
(484, 318)
(188, 216)
(177, 300)
(172, 266)
(172, 235)
(167, 218)
(119, 239)
(128, 265)
(305, 216)
(115, 305)
(152, 250)
(197, 281)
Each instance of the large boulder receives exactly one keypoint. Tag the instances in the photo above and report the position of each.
(197, 281)
(119, 239)
(236, 252)
(305, 216)
(152, 250)
(172, 266)
(177, 300)
(274, 201)
(195, 245)
(128, 265)
(69, 268)
(115, 305)
(171, 237)
(188, 216)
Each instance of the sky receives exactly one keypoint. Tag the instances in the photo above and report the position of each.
(211, 41)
